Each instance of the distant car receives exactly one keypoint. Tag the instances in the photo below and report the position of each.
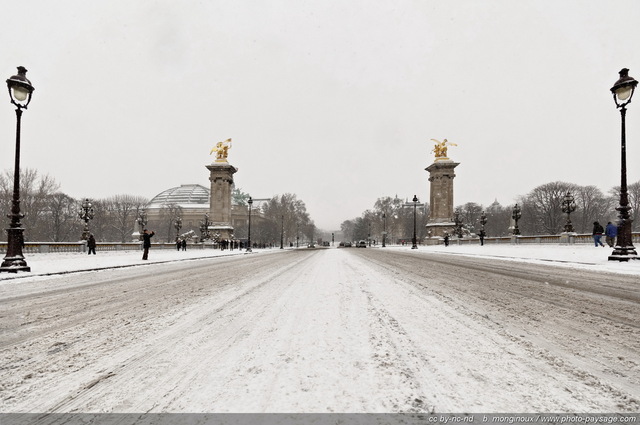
(361, 244)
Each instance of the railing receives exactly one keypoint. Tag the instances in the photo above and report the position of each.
(583, 238)
(46, 247)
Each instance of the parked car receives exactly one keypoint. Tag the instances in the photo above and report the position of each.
(361, 244)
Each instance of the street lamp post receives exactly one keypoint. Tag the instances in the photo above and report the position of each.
(624, 250)
(20, 91)
(415, 204)
(369, 235)
(516, 214)
(282, 233)
(483, 222)
(568, 206)
(384, 230)
(86, 214)
(250, 202)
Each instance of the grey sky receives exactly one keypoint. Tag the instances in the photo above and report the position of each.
(335, 101)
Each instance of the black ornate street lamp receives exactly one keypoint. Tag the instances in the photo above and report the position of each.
(250, 202)
(568, 206)
(415, 204)
(20, 91)
(516, 215)
(624, 250)
(142, 221)
(384, 231)
(483, 222)
(86, 214)
(282, 234)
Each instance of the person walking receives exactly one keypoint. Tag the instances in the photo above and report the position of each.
(598, 230)
(184, 244)
(178, 244)
(610, 234)
(446, 239)
(91, 244)
(146, 243)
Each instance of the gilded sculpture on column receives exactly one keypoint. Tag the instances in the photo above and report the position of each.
(222, 150)
(440, 149)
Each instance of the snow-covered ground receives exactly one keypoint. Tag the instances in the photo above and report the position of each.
(325, 330)
(577, 256)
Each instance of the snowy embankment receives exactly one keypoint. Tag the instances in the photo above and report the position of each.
(585, 257)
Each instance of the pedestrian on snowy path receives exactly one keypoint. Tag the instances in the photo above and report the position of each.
(146, 243)
(446, 239)
(184, 244)
(598, 230)
(611, 232)
(91, 244)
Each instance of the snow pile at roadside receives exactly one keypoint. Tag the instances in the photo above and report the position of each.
(575, 256)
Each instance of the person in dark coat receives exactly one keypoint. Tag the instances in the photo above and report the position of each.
(91, 244)
(598, 230)
(178, 244)
(611, 232)
(183, 244)
(146, 243)
(446, 239)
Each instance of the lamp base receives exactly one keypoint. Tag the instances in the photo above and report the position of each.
(625, 253)
(14, 265)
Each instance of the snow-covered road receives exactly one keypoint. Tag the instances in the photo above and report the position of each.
(327, 330)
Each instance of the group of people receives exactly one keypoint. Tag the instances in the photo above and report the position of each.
(610, 233)
(181, 244)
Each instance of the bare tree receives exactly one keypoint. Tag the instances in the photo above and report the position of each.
(470, 215)
(591, 205)
(62, 216)
(168, 214)
(123, 211)
(34, 191)
(289, 216)
(633, 192)
(542, 208)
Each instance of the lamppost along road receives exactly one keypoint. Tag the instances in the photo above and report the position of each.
(20, 91)
(624, 250)
(334, 330)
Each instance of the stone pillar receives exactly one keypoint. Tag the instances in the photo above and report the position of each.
(441, 198)
(221, 178)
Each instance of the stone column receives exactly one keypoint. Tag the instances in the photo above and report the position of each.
(221, 178)
(441, 176)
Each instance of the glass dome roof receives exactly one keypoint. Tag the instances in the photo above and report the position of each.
(186, 194)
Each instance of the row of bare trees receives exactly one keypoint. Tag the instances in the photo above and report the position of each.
(283, 217)
(52, 216)
(393, 215)
(541, 213)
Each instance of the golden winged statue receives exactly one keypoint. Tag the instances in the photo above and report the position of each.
(222, 150)
(440, 148)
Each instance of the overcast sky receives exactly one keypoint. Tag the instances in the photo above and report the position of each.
(333, 100)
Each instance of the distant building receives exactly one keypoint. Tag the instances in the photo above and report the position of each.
(191, 203)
